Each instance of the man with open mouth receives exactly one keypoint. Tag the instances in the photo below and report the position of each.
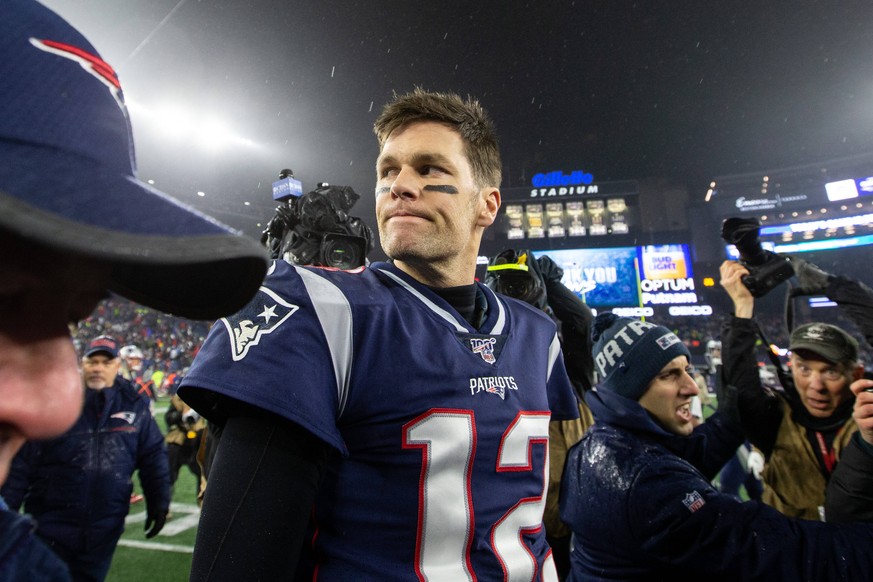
(636, 489)
(805, 429)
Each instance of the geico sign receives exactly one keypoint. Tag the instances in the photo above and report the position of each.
(690, 310)
(633, 311)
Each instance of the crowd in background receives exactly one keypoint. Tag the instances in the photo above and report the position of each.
(695, 332)
(169, 343)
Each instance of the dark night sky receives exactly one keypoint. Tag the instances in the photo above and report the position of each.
(682, 90)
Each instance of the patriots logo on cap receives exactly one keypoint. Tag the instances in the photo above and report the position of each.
(261, 317)
(93, 64)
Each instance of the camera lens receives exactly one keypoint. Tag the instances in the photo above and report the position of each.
(341, 258)
(342, 252)
(521, 285)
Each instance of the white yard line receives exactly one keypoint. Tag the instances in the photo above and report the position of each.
(157, 546)
(185, 517)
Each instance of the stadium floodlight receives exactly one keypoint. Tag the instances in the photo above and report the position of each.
(179, 124)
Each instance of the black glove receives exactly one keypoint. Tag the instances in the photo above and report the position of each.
(727, 402)
(155, 520)
(812, 280)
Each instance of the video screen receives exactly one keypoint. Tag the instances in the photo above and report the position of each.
(627, 276)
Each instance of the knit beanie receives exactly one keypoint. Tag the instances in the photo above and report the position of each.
(629, 353)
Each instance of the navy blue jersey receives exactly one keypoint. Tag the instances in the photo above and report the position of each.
(443, 427)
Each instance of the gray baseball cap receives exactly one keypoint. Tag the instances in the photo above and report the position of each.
(828, 341)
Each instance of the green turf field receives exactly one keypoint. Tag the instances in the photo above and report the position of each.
(167, 556)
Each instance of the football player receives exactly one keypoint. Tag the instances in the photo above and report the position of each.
(390, 422)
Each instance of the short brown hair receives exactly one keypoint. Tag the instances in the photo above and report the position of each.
(466, 116)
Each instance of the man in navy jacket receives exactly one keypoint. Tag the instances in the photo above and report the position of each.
(637, 492)
(78, 485)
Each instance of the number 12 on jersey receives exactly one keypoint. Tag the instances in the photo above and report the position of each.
(447, 439)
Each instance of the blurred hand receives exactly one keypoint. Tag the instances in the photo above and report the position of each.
(731, 280)
(155, 521)
(863, 408)
(812, 280)
(755, 464)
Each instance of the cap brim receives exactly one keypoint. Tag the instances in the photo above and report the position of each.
(90, 353)
(831, 355)
(164, 254)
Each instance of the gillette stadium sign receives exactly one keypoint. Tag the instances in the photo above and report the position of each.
(557, 183)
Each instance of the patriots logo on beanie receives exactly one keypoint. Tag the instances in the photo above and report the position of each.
(629, 353)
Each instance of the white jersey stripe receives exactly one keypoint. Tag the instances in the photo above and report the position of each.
(554, 350)
(335, 316)
(500, 324)
(430, 304)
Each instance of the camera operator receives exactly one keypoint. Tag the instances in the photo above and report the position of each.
(803, 430)
(538, 282)
(316, 229)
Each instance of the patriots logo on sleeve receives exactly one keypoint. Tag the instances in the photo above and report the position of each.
(261, 317)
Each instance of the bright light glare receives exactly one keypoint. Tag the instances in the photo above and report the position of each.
(173, 122)
(184, 125)
(213, 134)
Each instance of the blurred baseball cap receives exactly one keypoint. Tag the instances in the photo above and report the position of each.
(68, 177)
(131, 351)
(103, 344)
(826, 340)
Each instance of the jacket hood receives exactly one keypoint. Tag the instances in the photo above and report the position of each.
(612, 408)
(617, 411)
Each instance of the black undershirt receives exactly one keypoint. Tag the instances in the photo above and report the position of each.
(464, 300)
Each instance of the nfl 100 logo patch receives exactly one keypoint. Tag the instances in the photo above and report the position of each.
(484, 347)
